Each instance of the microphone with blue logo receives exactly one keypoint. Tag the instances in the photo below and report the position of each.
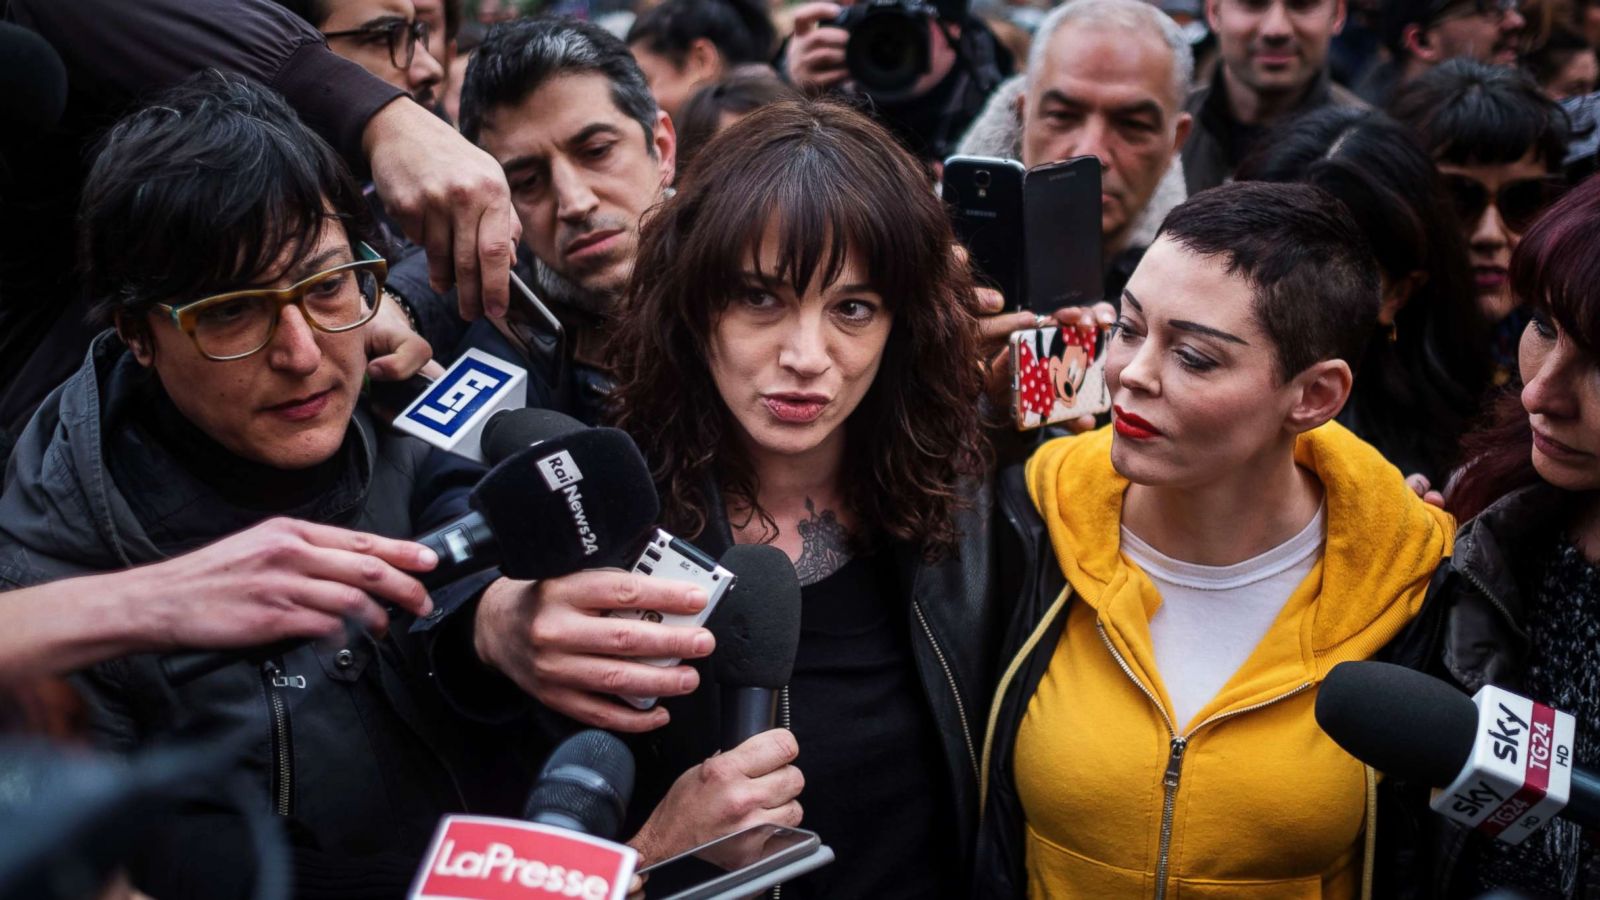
(453, 411)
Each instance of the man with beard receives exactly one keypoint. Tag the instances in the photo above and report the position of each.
(1421, 34)
(563, 107)
(1273, 65)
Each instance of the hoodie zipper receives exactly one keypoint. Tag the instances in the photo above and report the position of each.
(281, 782)
(961, 708)
(1179, 744)
(784, 721)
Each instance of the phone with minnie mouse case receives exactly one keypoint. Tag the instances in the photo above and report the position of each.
(1058, 374)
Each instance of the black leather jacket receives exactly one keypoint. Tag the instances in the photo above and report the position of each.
(1470, 633)
(357, 748)
(955, 619)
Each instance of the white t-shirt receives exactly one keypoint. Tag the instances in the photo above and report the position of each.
(1212, 617)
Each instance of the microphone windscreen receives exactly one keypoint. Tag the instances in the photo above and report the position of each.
(509, 432)
(580, 501)
(757, 623)
(1398, 720)
(589, 778)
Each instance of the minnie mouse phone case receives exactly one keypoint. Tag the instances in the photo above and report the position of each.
(1057, 374)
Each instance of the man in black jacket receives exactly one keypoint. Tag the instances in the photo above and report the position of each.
(230, 249)
(1274, 64)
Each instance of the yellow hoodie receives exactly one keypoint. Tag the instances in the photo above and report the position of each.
(1251, 800)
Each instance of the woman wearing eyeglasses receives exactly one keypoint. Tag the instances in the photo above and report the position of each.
(226, 244)
(1498, 142)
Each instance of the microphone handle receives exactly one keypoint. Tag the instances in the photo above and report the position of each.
(746, 712)
(465, 546)
(1583, 802)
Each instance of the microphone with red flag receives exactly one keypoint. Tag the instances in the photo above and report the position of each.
(565, 846)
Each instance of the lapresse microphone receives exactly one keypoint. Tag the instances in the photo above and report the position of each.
(560, 498)
(564, 845)
(584, 786)
(757, 627)
(1498, 762)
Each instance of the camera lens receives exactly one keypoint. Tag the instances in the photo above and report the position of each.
(888, 47)
(981, 178)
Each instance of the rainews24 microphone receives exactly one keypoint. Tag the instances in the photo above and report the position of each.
(560, 498)
(564, 847)
(1499, 763)
(757, 628)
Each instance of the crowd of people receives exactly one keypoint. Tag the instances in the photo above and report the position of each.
(1350, 258)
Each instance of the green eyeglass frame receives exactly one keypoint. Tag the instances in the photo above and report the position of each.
(186, 317)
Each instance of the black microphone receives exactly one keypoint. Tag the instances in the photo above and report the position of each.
(757, 627)
(578, 498)
(584, 786)
(561, 496)
(1493, 756)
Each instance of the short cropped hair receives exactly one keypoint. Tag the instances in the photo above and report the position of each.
(1466, 112)
(518, 57)
(1316, 281)
(201, 191)
(1133, 15)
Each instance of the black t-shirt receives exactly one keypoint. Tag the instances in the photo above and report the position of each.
(877, 785)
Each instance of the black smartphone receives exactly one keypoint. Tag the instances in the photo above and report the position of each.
(984, 196)
(1061, 231)
(738, 864)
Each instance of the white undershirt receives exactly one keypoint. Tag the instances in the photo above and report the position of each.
(1212, 617)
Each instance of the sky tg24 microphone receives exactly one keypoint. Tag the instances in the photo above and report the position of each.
(1499, 763)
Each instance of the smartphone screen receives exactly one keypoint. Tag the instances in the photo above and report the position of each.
(1061, 224)
(985, 200)
(755, 849)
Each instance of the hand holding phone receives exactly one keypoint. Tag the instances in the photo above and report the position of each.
(1058, 374)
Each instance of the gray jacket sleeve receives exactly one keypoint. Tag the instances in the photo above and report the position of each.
(124, 48)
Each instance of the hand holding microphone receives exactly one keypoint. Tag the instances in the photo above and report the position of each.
(1500, 763)
(755, 783)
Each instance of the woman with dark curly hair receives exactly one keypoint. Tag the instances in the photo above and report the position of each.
(797, 359)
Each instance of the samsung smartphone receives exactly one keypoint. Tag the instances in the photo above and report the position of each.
(984, 196)
(1057, 374)
(739, 864)
(1061, 231)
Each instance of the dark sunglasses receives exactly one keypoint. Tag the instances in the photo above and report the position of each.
(1518, 202)
(401, 36)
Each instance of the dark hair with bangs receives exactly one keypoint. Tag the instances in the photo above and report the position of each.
(1554, 270)
(1418, 390)
(1315, 281)
(1467, 112)
(201, 191)
(834, 183)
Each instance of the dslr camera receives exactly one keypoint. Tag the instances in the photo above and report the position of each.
(888, 47)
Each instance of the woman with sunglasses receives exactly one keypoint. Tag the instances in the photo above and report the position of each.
(1499, 143)
(227, 245)
(1423, 373)
(1518, 603)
